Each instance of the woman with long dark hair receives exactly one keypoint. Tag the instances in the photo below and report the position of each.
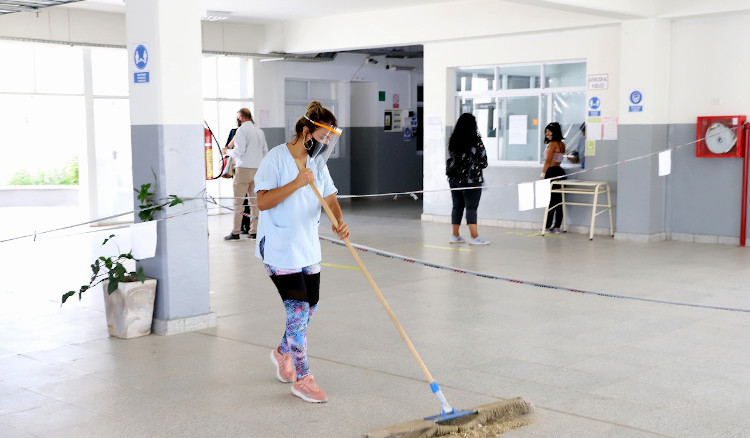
(553, 156)
(288, 236)
(467, 157)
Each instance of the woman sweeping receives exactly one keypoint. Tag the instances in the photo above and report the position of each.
(287, 240)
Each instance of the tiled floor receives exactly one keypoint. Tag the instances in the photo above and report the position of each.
(594, 366)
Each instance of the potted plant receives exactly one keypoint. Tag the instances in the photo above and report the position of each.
(128, 294)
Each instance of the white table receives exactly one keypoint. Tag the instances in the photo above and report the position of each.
(576, 187)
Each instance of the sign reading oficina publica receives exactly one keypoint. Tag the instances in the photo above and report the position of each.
(598, 81)
(140, 60)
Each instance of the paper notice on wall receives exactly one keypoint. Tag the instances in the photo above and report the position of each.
(143, 239)
(665, 162)
(264, 118)
(517, 129)
(593, 131)
(590, 148)
(542, 192)
(433, 127)
(609, 128)
(525, 196)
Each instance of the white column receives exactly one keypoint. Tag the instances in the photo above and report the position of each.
(644, 100)
(166, 113)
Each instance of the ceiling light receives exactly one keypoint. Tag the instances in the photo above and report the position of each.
(216, 15)
(272, 59)
(399, 67)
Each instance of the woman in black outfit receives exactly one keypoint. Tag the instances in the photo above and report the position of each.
(467, 158)
(553, 156)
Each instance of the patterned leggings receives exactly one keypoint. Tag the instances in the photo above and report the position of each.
(299, 290)
(298, 315)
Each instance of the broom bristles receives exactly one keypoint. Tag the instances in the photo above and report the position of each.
(501, 416)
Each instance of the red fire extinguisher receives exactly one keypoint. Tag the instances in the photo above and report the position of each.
(209, 154)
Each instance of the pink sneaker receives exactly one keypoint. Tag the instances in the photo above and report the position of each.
(306, 389)
(284, 368)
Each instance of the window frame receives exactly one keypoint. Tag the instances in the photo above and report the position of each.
(498, 93)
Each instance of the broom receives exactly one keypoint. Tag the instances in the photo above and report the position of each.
(448, 412)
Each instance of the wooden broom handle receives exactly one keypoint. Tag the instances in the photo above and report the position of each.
(374, 287)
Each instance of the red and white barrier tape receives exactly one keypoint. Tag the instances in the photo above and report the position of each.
(530, 283)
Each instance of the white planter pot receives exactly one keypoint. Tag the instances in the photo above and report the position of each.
(130, 308)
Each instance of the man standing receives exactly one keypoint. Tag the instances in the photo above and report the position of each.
(247, 148)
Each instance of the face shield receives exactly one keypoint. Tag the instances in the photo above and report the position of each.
(323, 142)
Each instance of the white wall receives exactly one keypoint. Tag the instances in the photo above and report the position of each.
(420, 24)
(234, 37)
(710, 65)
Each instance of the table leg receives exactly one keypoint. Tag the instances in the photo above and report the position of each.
(564, 211)
(611, 225)
(593, 212)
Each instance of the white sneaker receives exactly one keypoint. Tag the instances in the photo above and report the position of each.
(458, 239)
(478, 241)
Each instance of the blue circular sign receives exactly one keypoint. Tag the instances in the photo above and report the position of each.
(594, 103)
(140, 57)
(636, 97)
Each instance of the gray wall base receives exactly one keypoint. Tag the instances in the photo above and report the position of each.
(644, 238)
(680, 237)
(176, 326)
(519, 225)
(598, 231)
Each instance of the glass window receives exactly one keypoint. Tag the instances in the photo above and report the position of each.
(519, 77)
(246, 79)
(565, 75)
(513, 103)
(114, 171)
(485, 111)
(569, 110)
(26, 125)
(229, 77)
(295, 90)
(322, 90)
(109, 71)
(20, 77)
(59, 69)
(519, 136)
(209, 77)
(475, 79)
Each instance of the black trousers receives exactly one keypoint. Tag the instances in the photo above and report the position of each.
(464, 199)
(555, 199)
(245, 223)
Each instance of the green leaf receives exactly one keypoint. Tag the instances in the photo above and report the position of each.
(107, 239)
(139, 273)
(112, 286)
(66, 296)
(143, 194)
(119, 271)
(175, 201)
